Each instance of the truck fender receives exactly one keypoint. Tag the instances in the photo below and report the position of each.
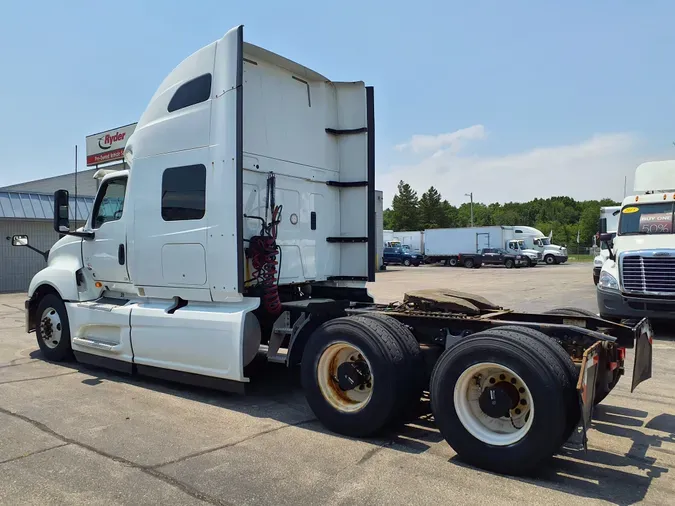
(61, 278)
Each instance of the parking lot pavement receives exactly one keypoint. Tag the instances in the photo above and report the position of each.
(72, 435)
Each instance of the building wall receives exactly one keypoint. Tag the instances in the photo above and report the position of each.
(86, 184)
(18, 265)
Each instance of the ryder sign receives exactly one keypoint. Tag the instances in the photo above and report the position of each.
(108, 146)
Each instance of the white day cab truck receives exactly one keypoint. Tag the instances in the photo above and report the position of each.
(607, 224)
(462, 246)
(535, 240)
(244, 226)
(638, 279)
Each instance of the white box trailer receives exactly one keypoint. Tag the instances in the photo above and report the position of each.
(463, 245)
(413, 240)
(245, 225)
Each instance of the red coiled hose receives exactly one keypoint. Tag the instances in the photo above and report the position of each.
(263, 252)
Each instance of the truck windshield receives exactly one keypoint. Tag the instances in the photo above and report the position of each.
(647, 219)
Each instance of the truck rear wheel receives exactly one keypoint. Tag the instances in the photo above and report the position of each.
(53, 329)
(352, 376)
(452, 262)
(499, 401)
(509, 263)
(468, 263)
(413, 369)
(565, 361)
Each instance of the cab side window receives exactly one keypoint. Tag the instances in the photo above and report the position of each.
(193, 92)
(184, 193)
(109, 204)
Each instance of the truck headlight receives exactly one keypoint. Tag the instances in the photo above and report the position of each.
(607, 281)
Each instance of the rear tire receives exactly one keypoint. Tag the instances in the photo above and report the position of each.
(413, 369)
(537, 376)
(452, 262)
(509, 263)
(565, 361)
(469, 263)
(354, 412)
(53, 329)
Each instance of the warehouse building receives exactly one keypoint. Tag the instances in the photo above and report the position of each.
(28, 209)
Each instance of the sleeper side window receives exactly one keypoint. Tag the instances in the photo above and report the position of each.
(184, 193)
(193, 92)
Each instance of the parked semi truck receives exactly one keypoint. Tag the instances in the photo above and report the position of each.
(244, 226)
(607, 224)
(462, 246)
(536, 240)
(638, 279)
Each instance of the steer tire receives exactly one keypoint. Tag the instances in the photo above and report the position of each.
(550, 260)
(565, 361)
(387, 360)
(406, 262)
(541, 372)
(452, 262)
(61, 351)
(413, 368)
(469, 263)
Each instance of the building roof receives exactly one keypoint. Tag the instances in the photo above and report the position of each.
(39, 206)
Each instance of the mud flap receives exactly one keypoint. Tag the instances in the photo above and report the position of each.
(642, 367)
(586, 390)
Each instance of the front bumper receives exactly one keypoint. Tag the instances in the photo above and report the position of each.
(561, 259)
(521, 261)
(613, 304)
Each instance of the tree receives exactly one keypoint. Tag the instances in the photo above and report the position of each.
(431, 213)
(405, 208)
(388, 219)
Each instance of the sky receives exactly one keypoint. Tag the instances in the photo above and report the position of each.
(506, 100)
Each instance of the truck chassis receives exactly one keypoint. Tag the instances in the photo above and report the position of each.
(486, 368)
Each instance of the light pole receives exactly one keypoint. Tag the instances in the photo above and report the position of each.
(471, 196)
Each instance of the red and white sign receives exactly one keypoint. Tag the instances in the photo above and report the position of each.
(108, 146)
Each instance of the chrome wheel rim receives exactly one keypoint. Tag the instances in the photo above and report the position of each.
(51, 328)
(350, 400)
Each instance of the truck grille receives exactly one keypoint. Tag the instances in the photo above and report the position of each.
(648, 274)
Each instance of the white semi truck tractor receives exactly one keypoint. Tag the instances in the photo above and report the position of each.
(638, 279)
(536, 240)
(244, 227)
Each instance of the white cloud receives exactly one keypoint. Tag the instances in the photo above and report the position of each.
(452, 141)
(592, 169)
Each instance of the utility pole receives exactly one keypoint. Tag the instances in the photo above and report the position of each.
(625, 181)
(75, 185)
(471, 196)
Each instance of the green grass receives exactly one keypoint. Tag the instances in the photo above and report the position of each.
(580, 258)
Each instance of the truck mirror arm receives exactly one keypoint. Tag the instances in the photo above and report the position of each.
(45, 254)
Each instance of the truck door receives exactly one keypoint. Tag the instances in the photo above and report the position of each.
(106, 254)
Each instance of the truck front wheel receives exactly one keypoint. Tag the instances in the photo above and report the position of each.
(353, 375)
(52, 328)
(499, 401)
(452, 262)
(550, 260)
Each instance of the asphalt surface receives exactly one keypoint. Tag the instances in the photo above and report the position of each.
(73, 435)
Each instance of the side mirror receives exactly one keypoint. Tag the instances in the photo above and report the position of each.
(602, 225)
(61, 212)
(20, 240)
(609, 240)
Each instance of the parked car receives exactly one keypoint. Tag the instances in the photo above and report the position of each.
(401, 256)
(499, 256)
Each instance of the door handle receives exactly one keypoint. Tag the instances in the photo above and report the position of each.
(120, 254)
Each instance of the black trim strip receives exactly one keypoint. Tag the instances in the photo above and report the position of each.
(346, 239)
(348, 131)
(347, 278)
(104, 362)
(189, 378)
(370, 120)
(239, 160)
(347, 184)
